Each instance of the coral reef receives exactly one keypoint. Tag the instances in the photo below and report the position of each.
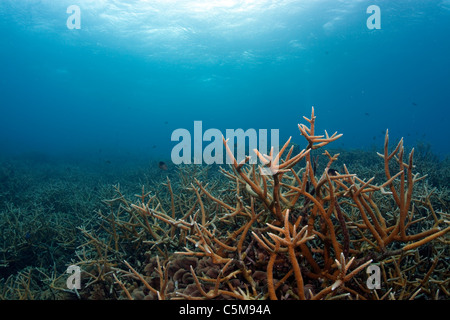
(298, 233)
(308, 230)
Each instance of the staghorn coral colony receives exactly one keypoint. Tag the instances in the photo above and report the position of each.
(310, 230)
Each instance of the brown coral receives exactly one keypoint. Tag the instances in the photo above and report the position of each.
(294, 234)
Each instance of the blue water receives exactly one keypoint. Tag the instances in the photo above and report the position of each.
(136, 71)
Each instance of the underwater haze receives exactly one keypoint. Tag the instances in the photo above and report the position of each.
(132, 72)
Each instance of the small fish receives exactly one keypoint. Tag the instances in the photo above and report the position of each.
(414, 104)
(332, 172)
(162, 165)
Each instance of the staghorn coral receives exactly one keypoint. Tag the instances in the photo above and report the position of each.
(298, 233)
